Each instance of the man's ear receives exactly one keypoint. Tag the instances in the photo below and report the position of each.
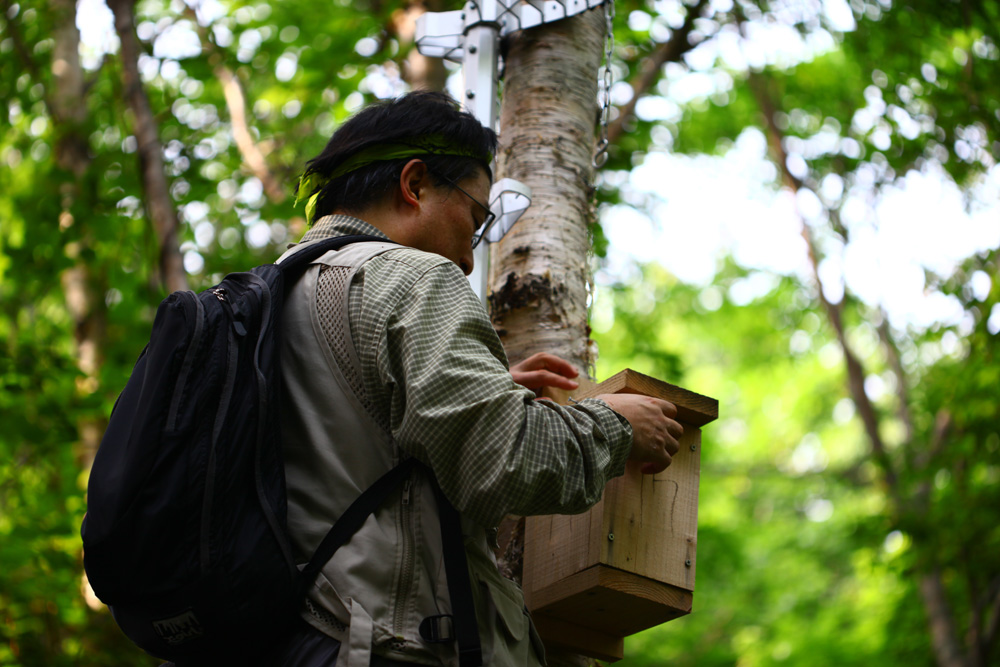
(413, 181)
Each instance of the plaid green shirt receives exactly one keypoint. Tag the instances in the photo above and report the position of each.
(436, 376)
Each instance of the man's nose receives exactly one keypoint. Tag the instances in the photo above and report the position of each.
(467, 262)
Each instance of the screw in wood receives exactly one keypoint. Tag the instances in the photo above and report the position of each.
(687, 563)
(611, 537)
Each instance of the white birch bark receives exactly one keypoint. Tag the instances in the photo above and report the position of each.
(539, 275)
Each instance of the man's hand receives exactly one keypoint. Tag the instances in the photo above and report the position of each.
(544, 370)
(655, 434)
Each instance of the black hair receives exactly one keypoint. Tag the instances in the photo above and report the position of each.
(417, 114)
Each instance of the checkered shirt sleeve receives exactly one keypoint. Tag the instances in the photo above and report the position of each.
(436, 373)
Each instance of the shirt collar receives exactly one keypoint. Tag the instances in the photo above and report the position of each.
(340, 225)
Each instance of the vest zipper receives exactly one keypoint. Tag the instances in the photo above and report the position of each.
(405, 586)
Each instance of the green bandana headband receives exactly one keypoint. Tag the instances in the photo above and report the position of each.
(311, 183)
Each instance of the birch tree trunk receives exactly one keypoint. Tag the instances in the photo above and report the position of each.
(539, 275)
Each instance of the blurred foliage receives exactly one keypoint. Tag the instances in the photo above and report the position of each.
(804, 559)
(801, 558)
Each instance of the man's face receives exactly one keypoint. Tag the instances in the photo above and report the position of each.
(450, 218)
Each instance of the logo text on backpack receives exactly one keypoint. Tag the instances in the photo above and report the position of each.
(179, 629)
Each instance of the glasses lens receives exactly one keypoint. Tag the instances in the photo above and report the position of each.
(484, 229)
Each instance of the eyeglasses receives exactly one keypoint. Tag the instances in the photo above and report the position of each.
(488, 220)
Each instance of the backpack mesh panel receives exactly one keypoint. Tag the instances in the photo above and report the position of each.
(324, 617)
(331, 284)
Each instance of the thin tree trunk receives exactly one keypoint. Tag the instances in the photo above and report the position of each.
(252, 155)
(68, 113)
(236, 105)
(421, 72)
(81, 286)
(940, 617)
(154, 179)
(944, 635)
(539, 273)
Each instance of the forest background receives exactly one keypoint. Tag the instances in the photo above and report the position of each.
(799, 217)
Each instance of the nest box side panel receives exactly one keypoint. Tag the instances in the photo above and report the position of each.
(650, 522)
(558, 546)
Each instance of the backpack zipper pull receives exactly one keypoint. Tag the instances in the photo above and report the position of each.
(406, 491)
(220, 294)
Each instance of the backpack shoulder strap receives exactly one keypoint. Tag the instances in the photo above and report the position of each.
(299, 257)
(352, 519)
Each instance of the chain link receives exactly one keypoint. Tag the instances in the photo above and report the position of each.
(604, 88)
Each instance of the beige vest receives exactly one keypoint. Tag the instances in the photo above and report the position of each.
(375, 591)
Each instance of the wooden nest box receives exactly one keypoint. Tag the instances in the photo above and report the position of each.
(628, 563)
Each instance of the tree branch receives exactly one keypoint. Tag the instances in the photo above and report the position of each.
(232, 91)
(252, 155)
(855, 370)
(668, 52)
(154, 179)
(902, 384)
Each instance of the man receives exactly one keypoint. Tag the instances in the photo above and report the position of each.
(388, 354)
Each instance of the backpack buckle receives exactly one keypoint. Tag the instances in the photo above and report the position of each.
(438, 629)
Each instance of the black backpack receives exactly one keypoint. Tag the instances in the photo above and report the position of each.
(185, 535)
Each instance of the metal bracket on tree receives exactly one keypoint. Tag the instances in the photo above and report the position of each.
(471, 36)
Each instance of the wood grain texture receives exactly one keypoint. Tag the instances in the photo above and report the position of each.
(692, 408)
(558, 634)
(628, 563)
(654, 518)
(610, 601)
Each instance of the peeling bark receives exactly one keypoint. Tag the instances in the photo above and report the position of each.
(154, 179)
(539, 274)
(539, 277)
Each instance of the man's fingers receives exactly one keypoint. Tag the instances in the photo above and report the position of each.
(546, 361)
(671, 445)
(668, 408)
(544, 370)
(653, 468)
(537, 379)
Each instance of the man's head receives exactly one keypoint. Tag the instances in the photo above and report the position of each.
(362, 162)
(413, 165)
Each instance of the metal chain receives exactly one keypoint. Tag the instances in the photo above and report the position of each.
(601, 154)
